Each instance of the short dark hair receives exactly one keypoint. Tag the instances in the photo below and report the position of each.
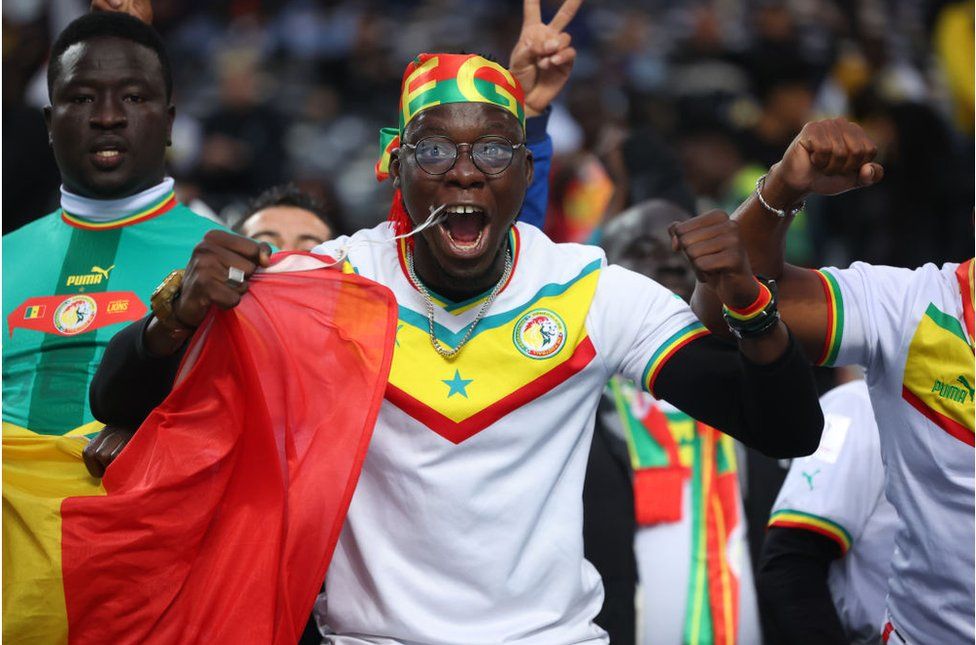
(286, 195)
(109, 24)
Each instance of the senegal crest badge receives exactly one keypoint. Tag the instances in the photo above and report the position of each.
(75, 315)
(539, 334)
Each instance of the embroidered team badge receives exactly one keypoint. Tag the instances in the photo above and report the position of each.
(539, 334)
(75, 315)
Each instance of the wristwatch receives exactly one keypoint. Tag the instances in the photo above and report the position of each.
(162, 300)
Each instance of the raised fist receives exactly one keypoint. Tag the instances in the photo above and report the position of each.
(827, 157)
(712, 245)
(207, 280)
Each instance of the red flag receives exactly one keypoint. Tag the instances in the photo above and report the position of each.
(222, 514)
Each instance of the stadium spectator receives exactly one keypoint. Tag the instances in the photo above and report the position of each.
(288, 219)
(827, 557)
(71, 279)
(912, 331)
(470, 443)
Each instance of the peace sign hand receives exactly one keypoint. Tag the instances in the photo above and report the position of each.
(543, 58)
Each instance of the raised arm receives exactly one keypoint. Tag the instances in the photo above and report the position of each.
(826, 158)
(541, 60)
(762, 392)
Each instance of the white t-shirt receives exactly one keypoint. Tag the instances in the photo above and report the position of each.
(838, 492)
(466, 524)
(906, 327)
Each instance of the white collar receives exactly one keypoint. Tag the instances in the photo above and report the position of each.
(107, 210)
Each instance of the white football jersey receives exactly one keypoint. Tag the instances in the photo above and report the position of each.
(907, 328)
(466, 524)
(838, 492)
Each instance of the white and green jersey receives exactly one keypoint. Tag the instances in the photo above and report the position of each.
(838, 492)
(912, 331)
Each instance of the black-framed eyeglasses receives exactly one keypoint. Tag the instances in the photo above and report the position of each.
(491, 155)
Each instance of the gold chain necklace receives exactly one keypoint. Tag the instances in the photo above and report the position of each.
(429, 303)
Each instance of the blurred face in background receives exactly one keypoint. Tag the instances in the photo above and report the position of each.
(638, 240)
(288, 228)
(650, 254)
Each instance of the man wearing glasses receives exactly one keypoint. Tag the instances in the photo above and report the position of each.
(466, 523)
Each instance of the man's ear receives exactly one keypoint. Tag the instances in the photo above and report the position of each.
(529, 167)
(47, 122)
(395, 167)
(170, 116)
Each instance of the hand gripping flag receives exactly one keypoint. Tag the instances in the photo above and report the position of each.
(220, 517)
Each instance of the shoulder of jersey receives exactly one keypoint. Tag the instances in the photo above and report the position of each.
(854, 401)
(39, 227)
(559, 260)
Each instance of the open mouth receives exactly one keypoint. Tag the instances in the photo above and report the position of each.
(107, 156)
(465, 228)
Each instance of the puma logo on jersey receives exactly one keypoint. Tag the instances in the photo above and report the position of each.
(953, 393)
(809, 477)
(95, 277)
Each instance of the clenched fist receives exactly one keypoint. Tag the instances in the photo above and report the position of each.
(827, 157)
(712, 245)
(206, 282)
(104, 448)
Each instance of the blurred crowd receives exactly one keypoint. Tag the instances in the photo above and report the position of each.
(689, 101)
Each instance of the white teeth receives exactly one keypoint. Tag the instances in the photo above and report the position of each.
(107, 153)
(463, 210)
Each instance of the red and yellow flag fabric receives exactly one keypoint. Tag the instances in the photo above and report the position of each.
(217, 522)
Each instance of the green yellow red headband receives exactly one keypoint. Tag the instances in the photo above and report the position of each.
(435, 79)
